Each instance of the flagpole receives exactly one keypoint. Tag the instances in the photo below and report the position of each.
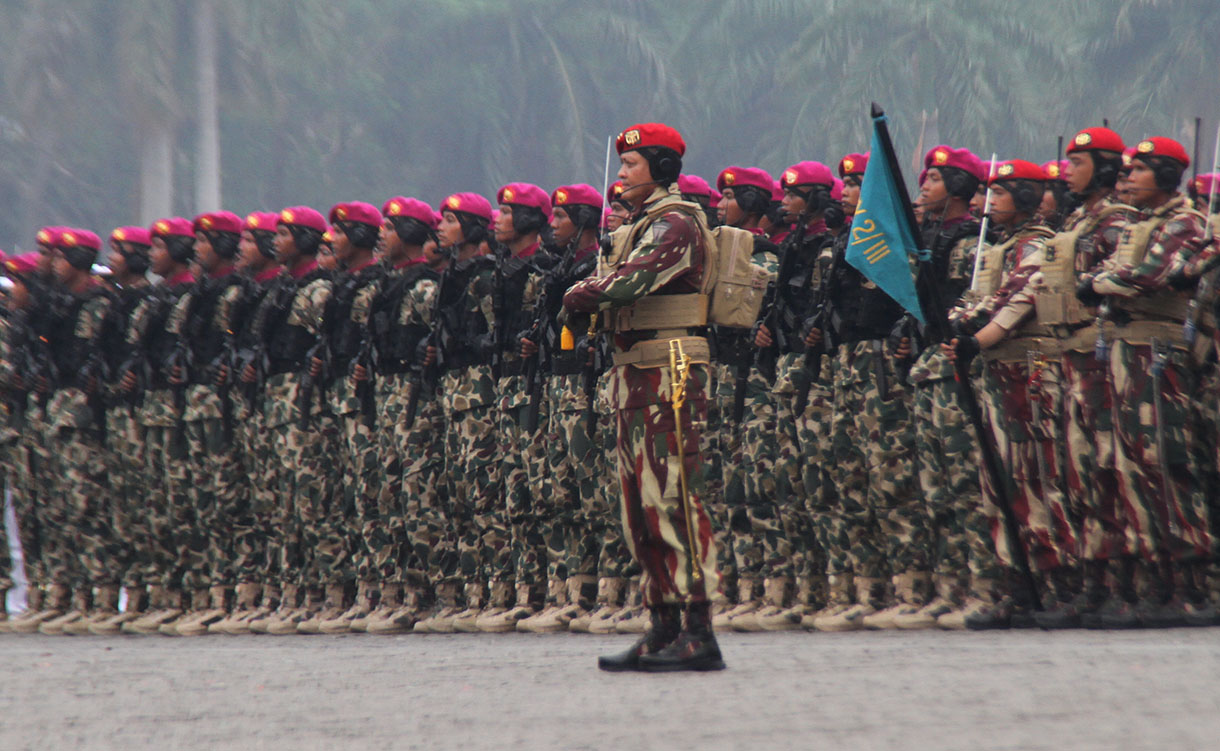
(938, 319)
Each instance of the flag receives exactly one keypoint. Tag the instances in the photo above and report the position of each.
(881, 242)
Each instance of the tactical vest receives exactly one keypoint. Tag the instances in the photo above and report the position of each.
(513, 311)
(1056, 303)
(115, 347)
(208, 333)
(71, 347)
(396, 343)
(467, 339)
(1163, 304)
(859, 309)
(158, 342)
(287, 344)
(669, 316)
(344, 334)
(572, 360)
(990, 275)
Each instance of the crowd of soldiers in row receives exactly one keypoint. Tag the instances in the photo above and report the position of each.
(384, 420)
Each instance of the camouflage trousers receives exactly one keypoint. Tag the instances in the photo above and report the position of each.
(83, 510)
(125, 469)
(311, 553)
(615, 560)
(577, 528)
(31, 491)
(428, 524)
(1091, 481)
(164, 448)
(358, 499)
(8, 463)
(224, 515)
(1028, 449)
(821, 492)
(254, 561)
(762, 544)
(791, 493)
(1207, 449)
(472, 445)
(947, 461)
(1161, 494)
(720, 439)
(676, 568)
(879, 525)
(529, 510)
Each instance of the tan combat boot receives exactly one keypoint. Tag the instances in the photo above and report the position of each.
(911, 592)
(82, 600)
(839, 597)
(634, 617)
(218, 609)
(447, 607)
(579, 595)
(946, 599)
(402, 618)
(748, 601)
(38, 609)
(869, 595)
(105, 607)
(500, 618)
(777, 614)
(171, 608)
(286, 624)
(809, 597)
(156, 603)
(608, 602)
(476, 600)
(200, 599)
(334, 605)
(137, 602)
(245, 604)
(981, 603)
(271, 609)
(556, 599)
(381, 619)
(342, 623)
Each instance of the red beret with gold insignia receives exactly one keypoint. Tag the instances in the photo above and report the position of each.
(1017, 169)
(218, 221)
(576, 195)
(1055, 170)
(836, 190)
(174, 225)
(693, 185)
(71, 237)
(356, 211)
(735, 177)
(1205, 184)
(807, 173)
(853, 164)
(525, 194)
(302, 216)
(1096, 139)
(614, 192)
(22, 264)
(643, 135)
(133, 235)
(468, 203)
(1162, 147)
(962, 159)
(262, 220)
(412, 208)
(48, 236)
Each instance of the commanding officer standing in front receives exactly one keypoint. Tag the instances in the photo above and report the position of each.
(658, 354)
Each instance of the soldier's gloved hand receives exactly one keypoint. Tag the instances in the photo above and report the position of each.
(814, 337)
(222, 375)
(903, 349)
(128, 382)
(359, 373)
(528, 348)
(762, 337)
(315, 367)
(1086, 294)
(429, 356)
(249, 374)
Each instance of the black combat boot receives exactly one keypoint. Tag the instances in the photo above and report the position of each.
(1119, 611)
(1060, 611)
(1198, 610)
(666, 624)
(694, 649)
(1094, 594)
(1159, 605)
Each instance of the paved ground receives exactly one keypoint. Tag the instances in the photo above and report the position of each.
(1018, 690)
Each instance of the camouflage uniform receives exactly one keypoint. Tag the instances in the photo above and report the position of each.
(668, 258)
(1022, 399)
(359, 461)
(303, 432)
(408, 535)
(1089, 235)
(468, 396)
(946, 447)
(1152, 382)
(75, 417)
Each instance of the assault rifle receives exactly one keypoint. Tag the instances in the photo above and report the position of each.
(426, 375)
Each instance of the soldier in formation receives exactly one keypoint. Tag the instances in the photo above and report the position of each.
(544, 418)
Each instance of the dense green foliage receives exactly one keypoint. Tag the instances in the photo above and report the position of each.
(365, 99)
